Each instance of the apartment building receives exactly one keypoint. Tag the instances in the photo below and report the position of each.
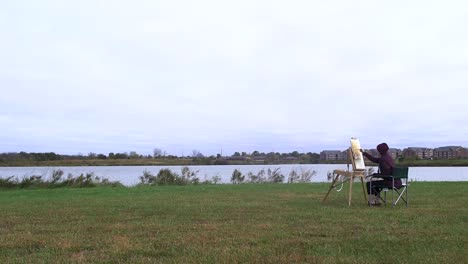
(449, 152)
(418, 152)
(333, 155)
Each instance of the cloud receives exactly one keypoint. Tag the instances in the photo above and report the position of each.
(265, 75)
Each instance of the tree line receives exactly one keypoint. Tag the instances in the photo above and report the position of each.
(196, 157)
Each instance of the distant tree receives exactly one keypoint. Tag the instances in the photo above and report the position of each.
(134, 155)
(52, 156)
(121, 155)
(255, 153)
(196, 154)
(273, 156)
(313, 157)
(111, 155)
(157, 152)
(101, 156)
(236, 154)
(92, 155)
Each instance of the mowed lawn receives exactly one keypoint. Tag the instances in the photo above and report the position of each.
(247, 223)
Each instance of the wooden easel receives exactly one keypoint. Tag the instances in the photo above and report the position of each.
(350, 176)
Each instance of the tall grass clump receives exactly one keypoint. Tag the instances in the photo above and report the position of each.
(237, 177)
(7, 183)
(167, 177)
(266, 176)
(304, 176)
(260, 177)
(57, 181)
(275, 175)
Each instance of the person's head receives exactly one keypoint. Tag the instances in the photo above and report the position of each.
(382, 148)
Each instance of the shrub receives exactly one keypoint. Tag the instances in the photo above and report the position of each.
(147, 178)
(293, 177)
(237, 177)
(189, 176)
(83, 180)
(216, 179)
(56, 176)
(275, 176)
(257, 178)
(306, 175)
(31, 181)
(166, 177)
(7, 183)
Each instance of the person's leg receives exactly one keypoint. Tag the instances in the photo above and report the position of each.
(375, 192)
(377, 195)
(371, 199)
(379, 186)
(376, 187)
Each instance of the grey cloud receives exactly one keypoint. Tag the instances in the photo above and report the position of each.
(207, 75)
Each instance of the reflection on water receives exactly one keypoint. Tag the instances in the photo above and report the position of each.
(129, 175)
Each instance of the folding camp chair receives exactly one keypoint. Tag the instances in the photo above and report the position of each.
(398, 173)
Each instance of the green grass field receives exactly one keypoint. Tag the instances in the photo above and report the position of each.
(264, 223)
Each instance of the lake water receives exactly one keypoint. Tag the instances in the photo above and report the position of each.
(129, 175)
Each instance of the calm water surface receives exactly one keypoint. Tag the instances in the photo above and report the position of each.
(129, 175)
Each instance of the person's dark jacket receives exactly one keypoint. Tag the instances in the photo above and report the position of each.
(386, 164)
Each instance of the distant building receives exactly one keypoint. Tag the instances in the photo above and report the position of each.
(332, 155)
(259, 159)
(289, 159)
(395, 153)
(418, 152)
(449, 152)
(372, 152)
(344, 155)
(463, 152)
(238, 158)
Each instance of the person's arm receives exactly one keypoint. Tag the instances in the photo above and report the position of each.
(370, 157)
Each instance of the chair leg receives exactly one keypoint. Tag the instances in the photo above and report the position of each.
(406, 191)
(400, 195)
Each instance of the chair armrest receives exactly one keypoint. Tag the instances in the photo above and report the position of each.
(385, 177)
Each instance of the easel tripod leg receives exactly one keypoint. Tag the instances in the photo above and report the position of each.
(331, 187)
(364, 189)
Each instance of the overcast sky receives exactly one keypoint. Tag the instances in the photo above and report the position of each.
(117, 76)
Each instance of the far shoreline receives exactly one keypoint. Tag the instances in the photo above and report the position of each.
(195, 162)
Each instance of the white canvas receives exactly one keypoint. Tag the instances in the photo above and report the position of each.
(357, 154)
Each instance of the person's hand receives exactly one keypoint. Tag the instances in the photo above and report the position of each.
(361, 150)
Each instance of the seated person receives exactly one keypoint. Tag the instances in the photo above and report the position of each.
(386, 165)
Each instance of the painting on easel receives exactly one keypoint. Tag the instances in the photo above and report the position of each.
(358, 159)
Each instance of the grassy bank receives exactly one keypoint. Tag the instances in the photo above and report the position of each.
(260, 223)
(434, 163)
(98, 162)
(187, 162)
